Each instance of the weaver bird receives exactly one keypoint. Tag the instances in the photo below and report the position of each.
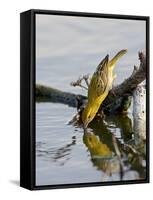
(95, 146)
(99, 87)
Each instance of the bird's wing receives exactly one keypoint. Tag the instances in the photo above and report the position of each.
(99, 80)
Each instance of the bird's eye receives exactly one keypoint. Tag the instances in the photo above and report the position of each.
(89, 116)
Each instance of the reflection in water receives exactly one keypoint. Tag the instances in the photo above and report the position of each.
(124, 123)
(100, 147)
(60, 155)
(61, 159)
(101, 155)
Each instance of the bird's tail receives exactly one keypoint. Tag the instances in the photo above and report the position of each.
(113, 61)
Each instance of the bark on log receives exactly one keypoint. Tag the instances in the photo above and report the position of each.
(49, 94)
(118, 99)
(139, 113)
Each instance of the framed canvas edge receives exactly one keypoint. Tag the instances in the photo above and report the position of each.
(27, 59)
(32, 185)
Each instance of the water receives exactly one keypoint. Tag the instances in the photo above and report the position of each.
(61, 155)
(67, 47)
(64, 153)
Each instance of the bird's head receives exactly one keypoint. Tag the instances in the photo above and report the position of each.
(88, 115)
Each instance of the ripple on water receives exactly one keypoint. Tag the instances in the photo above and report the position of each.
(62, 156)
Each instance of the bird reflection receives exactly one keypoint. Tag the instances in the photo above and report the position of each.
(121, 161)
(98, 140)
(101, 155)
(96, 147)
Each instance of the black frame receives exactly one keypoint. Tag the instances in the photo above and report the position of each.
(27, 98)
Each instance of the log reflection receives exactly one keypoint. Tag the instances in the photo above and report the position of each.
(98, 140)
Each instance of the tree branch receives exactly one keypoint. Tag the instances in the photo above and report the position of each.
(118, 99)
(49, 94)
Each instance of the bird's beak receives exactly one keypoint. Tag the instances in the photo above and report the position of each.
(85, 125)
(85, 128)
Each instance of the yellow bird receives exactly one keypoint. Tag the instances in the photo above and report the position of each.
(99, 87)
(95, 146)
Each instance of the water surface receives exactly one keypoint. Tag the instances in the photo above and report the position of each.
(67, 47)
(65, 154)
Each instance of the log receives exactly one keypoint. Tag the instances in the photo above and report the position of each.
(139, 113)
(49, 94)
(119, 98)
(117, 101)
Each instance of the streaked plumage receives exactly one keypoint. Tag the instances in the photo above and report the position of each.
(99, 87)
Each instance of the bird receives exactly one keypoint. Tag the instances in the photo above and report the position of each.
(96, 147)
(99, 86)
